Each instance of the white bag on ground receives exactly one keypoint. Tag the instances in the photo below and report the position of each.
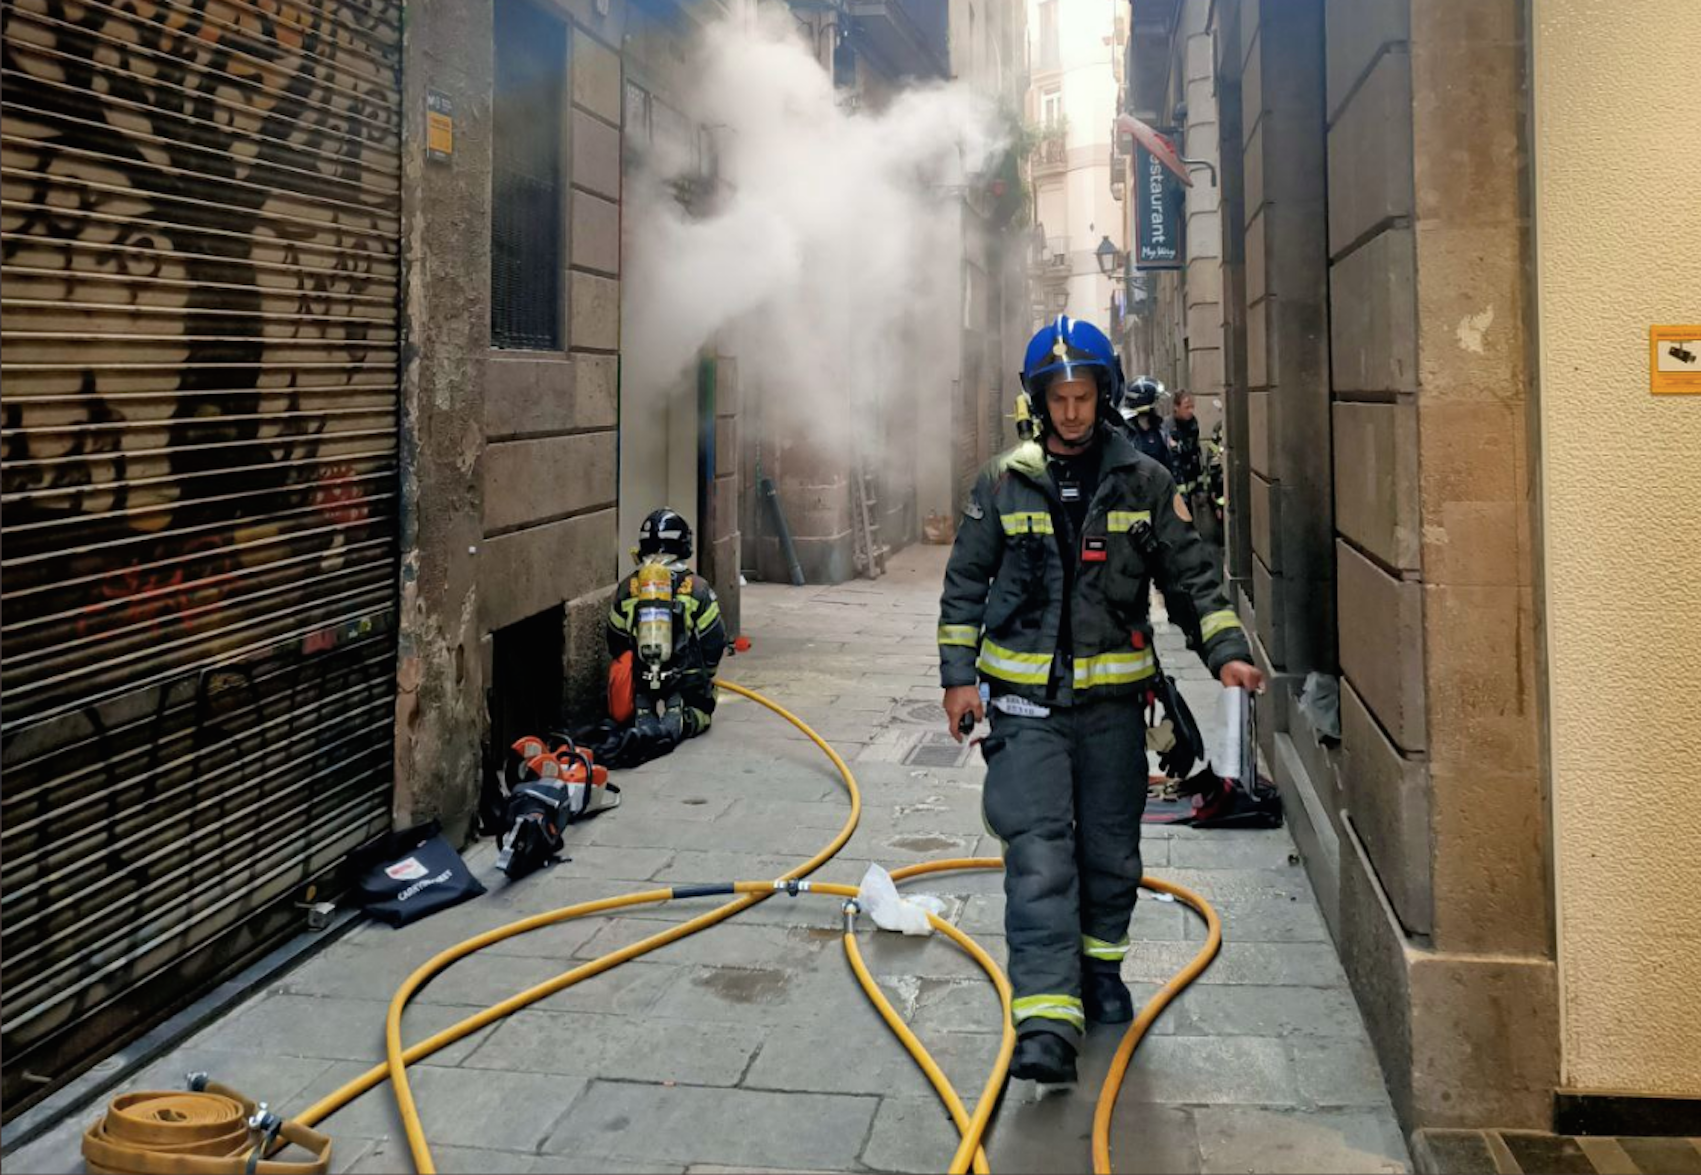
(878, 895)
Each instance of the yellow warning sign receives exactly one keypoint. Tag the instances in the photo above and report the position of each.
(439, 126)
(440, 134)
(1674, 360)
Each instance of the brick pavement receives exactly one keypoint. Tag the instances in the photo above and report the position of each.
(749, 1047)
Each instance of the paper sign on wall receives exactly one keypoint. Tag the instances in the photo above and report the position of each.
(439, 126)
(1674, 360)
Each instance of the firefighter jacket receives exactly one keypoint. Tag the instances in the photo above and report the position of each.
(1151, 442)
(1187, 463)
(1015, 566)
(699, 636)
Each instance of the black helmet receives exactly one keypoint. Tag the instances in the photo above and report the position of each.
(1143, 393)
(664, 532)
(1142, 396)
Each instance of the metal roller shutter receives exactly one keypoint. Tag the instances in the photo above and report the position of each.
(199, 211)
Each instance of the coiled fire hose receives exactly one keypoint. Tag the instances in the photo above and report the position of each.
(971, 1127)
(210, 1130)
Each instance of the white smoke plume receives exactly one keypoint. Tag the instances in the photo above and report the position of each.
(829, 267)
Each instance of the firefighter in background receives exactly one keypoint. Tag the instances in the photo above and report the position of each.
(1046, 602)
(666, 639)
(1187, 460)
(1141, 422)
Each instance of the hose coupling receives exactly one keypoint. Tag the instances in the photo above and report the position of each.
(792, 886)
(851, 911)
(268, 1126)
(197, 1081)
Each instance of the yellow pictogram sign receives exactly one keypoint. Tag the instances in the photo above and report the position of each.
(1674, 360)
(439, 127)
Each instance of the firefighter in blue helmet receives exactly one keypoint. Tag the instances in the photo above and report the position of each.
(1045, 601)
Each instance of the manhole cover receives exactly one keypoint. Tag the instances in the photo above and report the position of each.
(920, 713)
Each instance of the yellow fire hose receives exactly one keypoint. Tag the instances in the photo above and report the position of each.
(972, 1128)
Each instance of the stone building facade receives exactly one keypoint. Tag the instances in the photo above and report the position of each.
(1402, 264)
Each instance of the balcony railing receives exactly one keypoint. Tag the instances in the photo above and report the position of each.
(1051, 257)
(903, 38)
(1051, 154)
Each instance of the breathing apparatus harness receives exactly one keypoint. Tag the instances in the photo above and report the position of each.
(653, 588)
(664, 544)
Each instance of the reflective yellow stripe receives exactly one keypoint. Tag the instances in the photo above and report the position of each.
(1097, 948)
(710, 614)
(1017, 668)
(1049, 1007)
(1124, 520)
(620, 613)
(1113, 668)
(1026, 522)
(966, 635)
(1217, 622)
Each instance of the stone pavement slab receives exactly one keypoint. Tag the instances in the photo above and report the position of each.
(1297, 964)
(624, 1120)
(793, 1057)
(1238, 1140)
(1260, 1010)
(488, 1110)
(750, 1047)
(387, 1156)
(644, 1048)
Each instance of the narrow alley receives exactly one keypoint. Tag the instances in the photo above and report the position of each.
(402, 398)
(749, 1047)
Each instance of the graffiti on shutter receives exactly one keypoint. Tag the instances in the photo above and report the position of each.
(199, 221)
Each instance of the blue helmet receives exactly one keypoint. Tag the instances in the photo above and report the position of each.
(1066, 348)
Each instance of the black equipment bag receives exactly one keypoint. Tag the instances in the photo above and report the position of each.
(408, 875)
(1248, 802)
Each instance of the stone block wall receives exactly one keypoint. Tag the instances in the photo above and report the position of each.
(1445, 923)
(551, 417)
(1202, 290)
(1380, 507)
(1272, 57)
(509, 485)
(440, 715)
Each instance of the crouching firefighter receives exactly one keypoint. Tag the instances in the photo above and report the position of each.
(1045, 601)
(666, 638)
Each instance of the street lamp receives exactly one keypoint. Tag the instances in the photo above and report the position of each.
(1109, 257)
(1113, 263)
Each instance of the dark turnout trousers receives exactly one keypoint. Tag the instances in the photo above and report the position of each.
(1065, 794)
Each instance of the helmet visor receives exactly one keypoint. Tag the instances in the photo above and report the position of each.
(1089, 369)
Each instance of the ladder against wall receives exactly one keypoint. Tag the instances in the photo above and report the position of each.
(870, 551)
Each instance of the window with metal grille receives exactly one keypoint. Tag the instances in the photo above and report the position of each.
(526, 185)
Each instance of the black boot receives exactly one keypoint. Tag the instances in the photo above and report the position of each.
(1044, 1056)
(1103, 992)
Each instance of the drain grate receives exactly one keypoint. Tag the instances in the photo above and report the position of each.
(937, 749)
